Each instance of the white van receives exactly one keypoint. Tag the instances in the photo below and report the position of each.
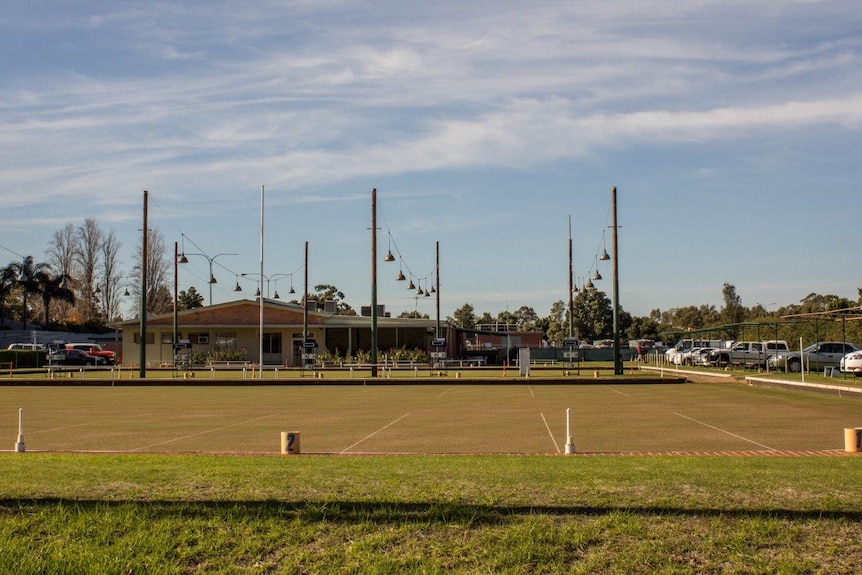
(26, 346)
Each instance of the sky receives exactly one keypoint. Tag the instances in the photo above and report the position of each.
(732, 131)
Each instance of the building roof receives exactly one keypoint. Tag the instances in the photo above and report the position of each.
(246, 313)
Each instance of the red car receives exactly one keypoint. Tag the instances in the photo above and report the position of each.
(94, 349)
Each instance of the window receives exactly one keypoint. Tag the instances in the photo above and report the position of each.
(227, 339)
(199, 338)
(271, 343)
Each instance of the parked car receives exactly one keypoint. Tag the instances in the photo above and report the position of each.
(26, 346)
(74, 357)
(852, 363)
(108, 356)
(817, 356)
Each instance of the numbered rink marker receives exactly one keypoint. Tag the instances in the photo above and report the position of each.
(290, 443)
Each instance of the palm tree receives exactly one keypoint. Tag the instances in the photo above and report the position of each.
(8, 277)
(53, 288)
(26, 272)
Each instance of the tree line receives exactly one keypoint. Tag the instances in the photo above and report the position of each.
(81, 283)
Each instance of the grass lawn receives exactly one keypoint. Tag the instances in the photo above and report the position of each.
(73, 513)
(193, 482)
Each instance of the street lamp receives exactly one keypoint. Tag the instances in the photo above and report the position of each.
(268, 279)
(212, 280)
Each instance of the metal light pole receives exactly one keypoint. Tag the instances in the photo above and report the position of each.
(374, 282)
(142, 370)
(211, 279)
(618, 364)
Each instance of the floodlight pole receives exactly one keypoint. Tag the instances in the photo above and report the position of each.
(618, 364)
(142, 369)
(374, 282)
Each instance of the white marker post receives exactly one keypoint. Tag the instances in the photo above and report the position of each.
(570, 444)
(19, 446)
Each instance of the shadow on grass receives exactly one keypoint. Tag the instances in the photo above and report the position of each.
(398, 512)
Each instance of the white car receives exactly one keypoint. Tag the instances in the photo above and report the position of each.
(852, 363)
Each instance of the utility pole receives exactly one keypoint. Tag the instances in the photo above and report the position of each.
(618, 364)
(374, 282)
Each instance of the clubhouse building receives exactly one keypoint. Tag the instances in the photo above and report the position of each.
(236, 325)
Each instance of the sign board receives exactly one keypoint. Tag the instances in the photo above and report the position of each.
(438, 342)
(438, 355)
(309, 345)
(183, 345)
(570, 342)
(309, 356)
(571, 354)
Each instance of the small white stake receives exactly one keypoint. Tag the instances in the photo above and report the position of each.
(570, 444)
(19, 447)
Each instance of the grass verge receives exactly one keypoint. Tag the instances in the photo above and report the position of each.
(479, 514)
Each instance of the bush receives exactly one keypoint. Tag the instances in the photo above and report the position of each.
(22, 358)
(219, 354)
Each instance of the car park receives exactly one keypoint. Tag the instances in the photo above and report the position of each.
(74, 357)
(852, 363)
(816, 356)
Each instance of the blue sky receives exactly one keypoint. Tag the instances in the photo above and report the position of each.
(730, 128)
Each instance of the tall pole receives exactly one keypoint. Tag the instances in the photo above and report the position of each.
(437, 293)
(142, 370)
(374, 282)
(618, 364)
(176, 302)
(305, 301)
(260, 330)
(571, 287)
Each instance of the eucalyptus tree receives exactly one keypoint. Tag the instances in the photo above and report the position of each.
(158, 297)
(90, 238)
(110, 275)
(62, 256)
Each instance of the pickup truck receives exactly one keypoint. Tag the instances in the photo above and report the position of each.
(96, 350)
(817, 356)
(749, 353)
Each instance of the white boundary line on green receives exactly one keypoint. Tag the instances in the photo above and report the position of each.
(724, 431)
(548, 427)
(204, 432)
(370, 435)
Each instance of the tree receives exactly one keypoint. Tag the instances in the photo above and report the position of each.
(555, 326)
(733, 312)
(413, 314)
(8, 282)
(110, 275)
(62, 253)
(594, 316)
(87, 256)
(526, 317)
(159, 298)
(52, 287)
(27, 273)
(189, 299)
(326, 292)
(464, 316)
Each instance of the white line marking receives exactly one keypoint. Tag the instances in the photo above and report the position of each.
(727, 432)
(369, 436)
(548, 427)
(205, 432)
(616, 391)
(533, 395)
(445, 392)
